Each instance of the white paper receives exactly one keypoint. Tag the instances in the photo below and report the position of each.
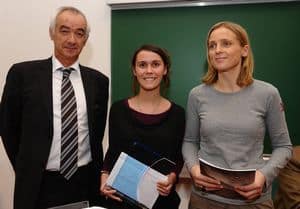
(135, 179)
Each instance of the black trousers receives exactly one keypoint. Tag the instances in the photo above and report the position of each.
(56, 190)
(170, 202)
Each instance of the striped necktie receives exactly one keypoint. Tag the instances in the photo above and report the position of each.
(69, 127)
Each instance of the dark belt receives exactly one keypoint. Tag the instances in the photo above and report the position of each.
(56, 173)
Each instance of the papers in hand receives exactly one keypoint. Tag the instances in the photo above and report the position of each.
(229, 178)
(135, 181)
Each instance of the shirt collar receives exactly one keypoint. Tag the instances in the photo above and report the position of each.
(57, 65)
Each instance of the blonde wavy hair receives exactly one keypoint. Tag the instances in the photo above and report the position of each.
(245, 77)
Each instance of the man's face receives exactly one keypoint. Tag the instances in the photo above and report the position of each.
(69, 37)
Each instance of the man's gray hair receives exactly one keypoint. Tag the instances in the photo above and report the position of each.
(73, 10)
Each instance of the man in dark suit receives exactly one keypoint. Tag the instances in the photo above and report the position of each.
(31, 120)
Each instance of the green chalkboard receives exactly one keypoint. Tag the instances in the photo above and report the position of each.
(274, 30)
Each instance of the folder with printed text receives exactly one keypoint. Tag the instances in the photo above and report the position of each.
(136, 181)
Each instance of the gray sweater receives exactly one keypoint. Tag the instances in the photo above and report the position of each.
(228, 129)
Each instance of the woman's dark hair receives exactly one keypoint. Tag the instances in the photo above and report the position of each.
(163, 53)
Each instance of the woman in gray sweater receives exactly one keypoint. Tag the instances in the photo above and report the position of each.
(226, 120)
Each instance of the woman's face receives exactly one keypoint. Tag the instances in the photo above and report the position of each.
(225, 51)
(149, 70)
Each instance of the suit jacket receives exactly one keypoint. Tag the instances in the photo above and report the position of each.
(27, 123)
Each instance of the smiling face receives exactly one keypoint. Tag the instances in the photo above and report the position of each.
(149, 70)
(225, 52)
(69, 36)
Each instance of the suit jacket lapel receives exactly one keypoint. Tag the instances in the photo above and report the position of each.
(88, 89)
(46, 88)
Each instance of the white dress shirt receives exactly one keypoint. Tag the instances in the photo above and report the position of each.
(84, 153)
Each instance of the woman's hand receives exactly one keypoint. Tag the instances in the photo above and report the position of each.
(164, 187)
(204, 182)
(254, 190)
(107, 191)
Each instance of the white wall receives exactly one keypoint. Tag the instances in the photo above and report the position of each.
(24, 36)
